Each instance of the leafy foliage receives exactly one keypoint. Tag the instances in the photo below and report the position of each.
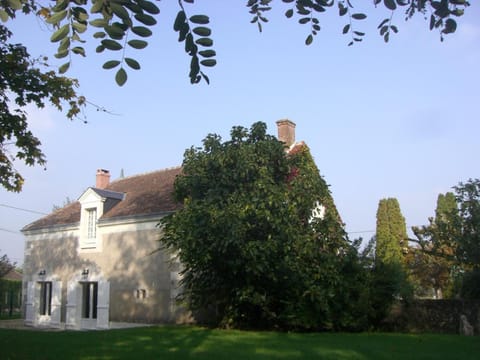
(125, 25)
(251, 250)
(453, 236)
(24, 81)
(5, 265)
(391, 234)
(433, 265)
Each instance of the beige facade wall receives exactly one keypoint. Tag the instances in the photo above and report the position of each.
(142, 284)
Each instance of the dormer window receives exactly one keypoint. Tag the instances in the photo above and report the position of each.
(95, 203)
(92, 223)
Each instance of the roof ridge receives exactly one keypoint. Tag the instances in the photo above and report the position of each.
(143, 174)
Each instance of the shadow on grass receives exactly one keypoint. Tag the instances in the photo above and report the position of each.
(198, 343)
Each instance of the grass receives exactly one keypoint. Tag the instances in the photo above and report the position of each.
(197, 343)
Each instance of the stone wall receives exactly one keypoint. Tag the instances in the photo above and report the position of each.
(433, 316)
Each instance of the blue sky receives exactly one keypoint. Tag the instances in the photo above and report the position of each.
(382, 120)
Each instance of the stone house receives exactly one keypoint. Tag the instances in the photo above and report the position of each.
(94, 261)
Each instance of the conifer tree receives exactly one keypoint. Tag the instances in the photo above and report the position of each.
(391, 237)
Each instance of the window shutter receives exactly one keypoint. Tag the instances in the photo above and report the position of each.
(72, 320)
(56, 303)
(103, 305)
(30, 304)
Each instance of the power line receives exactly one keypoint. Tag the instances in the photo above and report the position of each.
(22, 209)
(10, 231)
(360, 232)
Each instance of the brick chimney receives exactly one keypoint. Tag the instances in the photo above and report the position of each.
(103, 178)
(286, 131)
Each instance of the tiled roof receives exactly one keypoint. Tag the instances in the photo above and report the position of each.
(145, 194)
(13, 275)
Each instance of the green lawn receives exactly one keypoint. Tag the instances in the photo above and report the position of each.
(199, 343)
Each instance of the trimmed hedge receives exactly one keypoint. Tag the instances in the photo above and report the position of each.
(433, 316)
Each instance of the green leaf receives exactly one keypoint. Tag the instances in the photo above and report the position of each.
(56, 17)
(61, 54)
(3, 15)
(121, 77)
(101, 22)
(390, 4)
(207, 42)
(132, 63)
(207, 53)
(149, 7)
(96, 7)
(309, 39)
(179, 20)
(64, 44)
(138, 44)
(111, 44)
(289, 13)
(115, 32)
(111, 64)
(80, 28)
(79, 50)
(199, 19)
(205, 77)
(304, 20)
(190, 47)
(359, 16)
(346, 28)
(194, 70)
(15, 4)
(383, 23)
(141, 31)
(450, 26)
(182, 33)
(145, 19)
(208, 62)
(99, 35)
(120, 11)
(202, 31)
(61, 5)
(81, 15)
(60, 33)
(63, 69)
(99, 49)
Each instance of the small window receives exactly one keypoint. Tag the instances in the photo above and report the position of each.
(141, 294)
(92, 223)
(46, 298)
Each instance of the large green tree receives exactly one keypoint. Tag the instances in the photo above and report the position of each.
(432, 265)
(25, 80)
(391, 233)
(259, 236)
(454, 235)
